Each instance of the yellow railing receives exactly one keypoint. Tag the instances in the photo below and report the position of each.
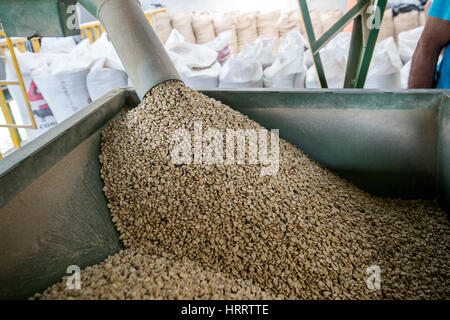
(12, 127)
(91, 30)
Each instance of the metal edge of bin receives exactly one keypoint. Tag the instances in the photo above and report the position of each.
(52, 146)
(270, 95)
(444, 154)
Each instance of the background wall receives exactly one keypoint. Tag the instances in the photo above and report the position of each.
(230, 5)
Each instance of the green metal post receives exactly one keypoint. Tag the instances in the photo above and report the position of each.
(371, 42)
(312, 39)
(355, 54)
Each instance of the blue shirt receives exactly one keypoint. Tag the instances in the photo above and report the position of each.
(441, 9)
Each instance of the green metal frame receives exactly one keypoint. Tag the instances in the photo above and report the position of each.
(29, 18)
(362, 44)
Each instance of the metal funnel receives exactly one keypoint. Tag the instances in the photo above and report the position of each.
(142, 53)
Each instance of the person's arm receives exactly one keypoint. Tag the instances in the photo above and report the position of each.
(435, 36)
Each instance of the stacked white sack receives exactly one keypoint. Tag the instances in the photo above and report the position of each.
(263, 49)
(242, 71)
(384, 71)
(334, 61)
(196, 64)
(61, 77)
(221, 44)
(407, 43)
(107, 72)
(101, 79)
(53, 45)
(288, 69)
(43, 115)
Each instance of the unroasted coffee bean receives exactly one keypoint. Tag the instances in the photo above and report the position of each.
(132, 275)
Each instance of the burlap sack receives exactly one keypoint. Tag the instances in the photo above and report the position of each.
(405, 22)
(183, 23)
(267, 25)
(226, 22)
(290, 21)
(316, 23)
(246, 29)
(162, 25)
(387, 26)
(329, 18)
(203, 28)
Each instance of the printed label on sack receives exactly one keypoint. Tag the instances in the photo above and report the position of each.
(42, 113)
(223, 54)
